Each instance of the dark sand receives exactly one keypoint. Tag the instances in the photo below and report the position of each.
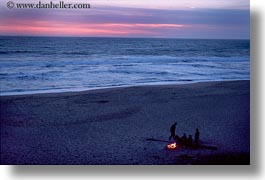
(110, 126)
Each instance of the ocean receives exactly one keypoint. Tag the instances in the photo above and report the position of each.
(62, 64)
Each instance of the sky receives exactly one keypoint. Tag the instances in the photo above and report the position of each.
(206, 19)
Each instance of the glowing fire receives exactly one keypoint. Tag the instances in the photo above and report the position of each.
(172, 145)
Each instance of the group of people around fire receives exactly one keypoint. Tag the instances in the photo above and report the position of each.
(184, 140)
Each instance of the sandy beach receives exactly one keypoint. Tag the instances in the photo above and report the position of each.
(110, 126)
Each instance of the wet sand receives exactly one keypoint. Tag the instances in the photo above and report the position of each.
(110, 126)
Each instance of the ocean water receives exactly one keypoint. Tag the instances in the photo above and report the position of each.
(51, 64)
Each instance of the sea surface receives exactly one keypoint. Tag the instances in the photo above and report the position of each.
(58, 64)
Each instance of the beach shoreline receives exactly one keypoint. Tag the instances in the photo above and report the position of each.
(110, 125)
(83, 90)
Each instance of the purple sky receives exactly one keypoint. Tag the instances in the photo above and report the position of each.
(225, 19)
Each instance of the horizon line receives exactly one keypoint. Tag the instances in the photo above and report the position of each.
(125, 37)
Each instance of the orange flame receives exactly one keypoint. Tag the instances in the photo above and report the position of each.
(172, 145)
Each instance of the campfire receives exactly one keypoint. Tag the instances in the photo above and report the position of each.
(172, 145)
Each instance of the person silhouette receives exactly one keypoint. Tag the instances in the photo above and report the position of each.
(172, 131)
(197, 136)
(189, 141)
(183, 139)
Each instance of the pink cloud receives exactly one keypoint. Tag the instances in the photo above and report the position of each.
(82, 29)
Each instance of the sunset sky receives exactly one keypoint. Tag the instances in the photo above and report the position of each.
(225, 19)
